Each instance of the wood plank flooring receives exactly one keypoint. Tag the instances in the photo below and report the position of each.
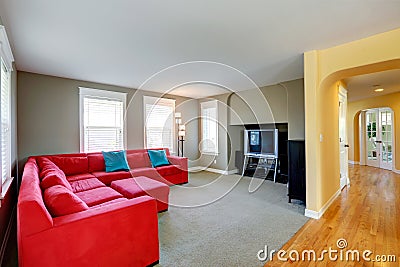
(366, 215)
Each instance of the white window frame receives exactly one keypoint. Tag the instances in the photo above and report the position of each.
(100, 94)
(7, 58)
(154, 100)
(205, 105)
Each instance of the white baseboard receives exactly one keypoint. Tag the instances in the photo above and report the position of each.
(318, 214)
(396, 170)
(201, 168)
(354, 162)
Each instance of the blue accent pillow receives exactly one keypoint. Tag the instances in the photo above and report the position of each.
(115, 161)
(158, 158)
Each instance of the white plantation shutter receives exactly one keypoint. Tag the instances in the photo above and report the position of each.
(5, 123)
(102, 120)
(209, 127)
(159, 122)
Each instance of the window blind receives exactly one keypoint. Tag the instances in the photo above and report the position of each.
(103, 122)
(159, 122)
(5, 123)
(209, 116)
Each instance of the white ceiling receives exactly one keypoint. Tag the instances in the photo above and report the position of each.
(362, 86)
(125, 42)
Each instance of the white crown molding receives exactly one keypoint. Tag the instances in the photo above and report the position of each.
(318, 214)
(5, 48)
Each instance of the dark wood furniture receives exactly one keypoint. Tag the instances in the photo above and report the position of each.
(296, 170)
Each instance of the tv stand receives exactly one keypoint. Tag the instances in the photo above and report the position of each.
(270, 160)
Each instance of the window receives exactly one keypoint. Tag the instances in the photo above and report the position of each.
(209, 127)
(5, 123)
(6, 59)
(159, 122)
(102, 120)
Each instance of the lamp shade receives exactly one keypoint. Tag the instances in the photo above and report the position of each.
(181, 133)
(182, 128)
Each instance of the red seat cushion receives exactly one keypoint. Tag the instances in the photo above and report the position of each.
(76, 177)
(98, 195)
(138, 160)
(141, 186)
(86, 184)
(108, 177)
(71, 165)
(169, 170)
(109, 202)
(60, 201)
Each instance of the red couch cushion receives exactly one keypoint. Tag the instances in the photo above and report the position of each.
(86, 184)
(138, 160)
(61, 201)
(169, 170)
(76, 177)
(47, 166)
(98, 195)
(53, 178)
(108, 177)
(96, 162)
(109, 202)
(71, 165)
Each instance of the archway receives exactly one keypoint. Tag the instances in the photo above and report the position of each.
(324, 71)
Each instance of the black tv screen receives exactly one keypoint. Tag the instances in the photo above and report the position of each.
(261, 141)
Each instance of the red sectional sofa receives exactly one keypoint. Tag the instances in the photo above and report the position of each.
(69, 216)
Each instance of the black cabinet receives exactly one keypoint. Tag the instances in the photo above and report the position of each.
(296, 170)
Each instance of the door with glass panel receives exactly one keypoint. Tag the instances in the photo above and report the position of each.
(379, 139)
(386, 140)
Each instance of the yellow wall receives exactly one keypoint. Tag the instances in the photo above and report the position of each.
(323, 69)
(392, 101)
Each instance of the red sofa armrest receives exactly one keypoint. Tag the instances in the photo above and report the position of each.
(119, 234)
(182, 162)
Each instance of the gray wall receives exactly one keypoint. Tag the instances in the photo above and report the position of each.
(48, 121)
(271, 104)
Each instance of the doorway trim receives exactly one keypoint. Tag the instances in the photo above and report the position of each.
(363, 142)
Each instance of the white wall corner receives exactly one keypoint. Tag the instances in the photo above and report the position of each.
(318, 214)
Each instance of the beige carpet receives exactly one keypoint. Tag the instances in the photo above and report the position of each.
(229, 225)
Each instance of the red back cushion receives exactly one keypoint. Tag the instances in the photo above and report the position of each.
(46, 166)
(60, 201)
(53, 178)
(71, 165)
(96, 163)
(138, 160)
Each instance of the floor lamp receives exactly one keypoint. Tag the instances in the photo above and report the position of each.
(181, 139)
(181, 133)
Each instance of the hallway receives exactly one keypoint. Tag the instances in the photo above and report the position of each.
(366, 215)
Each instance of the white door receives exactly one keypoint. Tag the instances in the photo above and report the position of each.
(379, 139)
(372, 147)
(385, 142)
(344, 168)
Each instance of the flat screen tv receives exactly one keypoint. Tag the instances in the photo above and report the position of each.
(261, 141)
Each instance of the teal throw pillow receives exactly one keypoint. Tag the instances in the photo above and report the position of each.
(115, 161)
(158, 158)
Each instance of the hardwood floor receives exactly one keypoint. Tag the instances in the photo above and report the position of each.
(366, 215)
